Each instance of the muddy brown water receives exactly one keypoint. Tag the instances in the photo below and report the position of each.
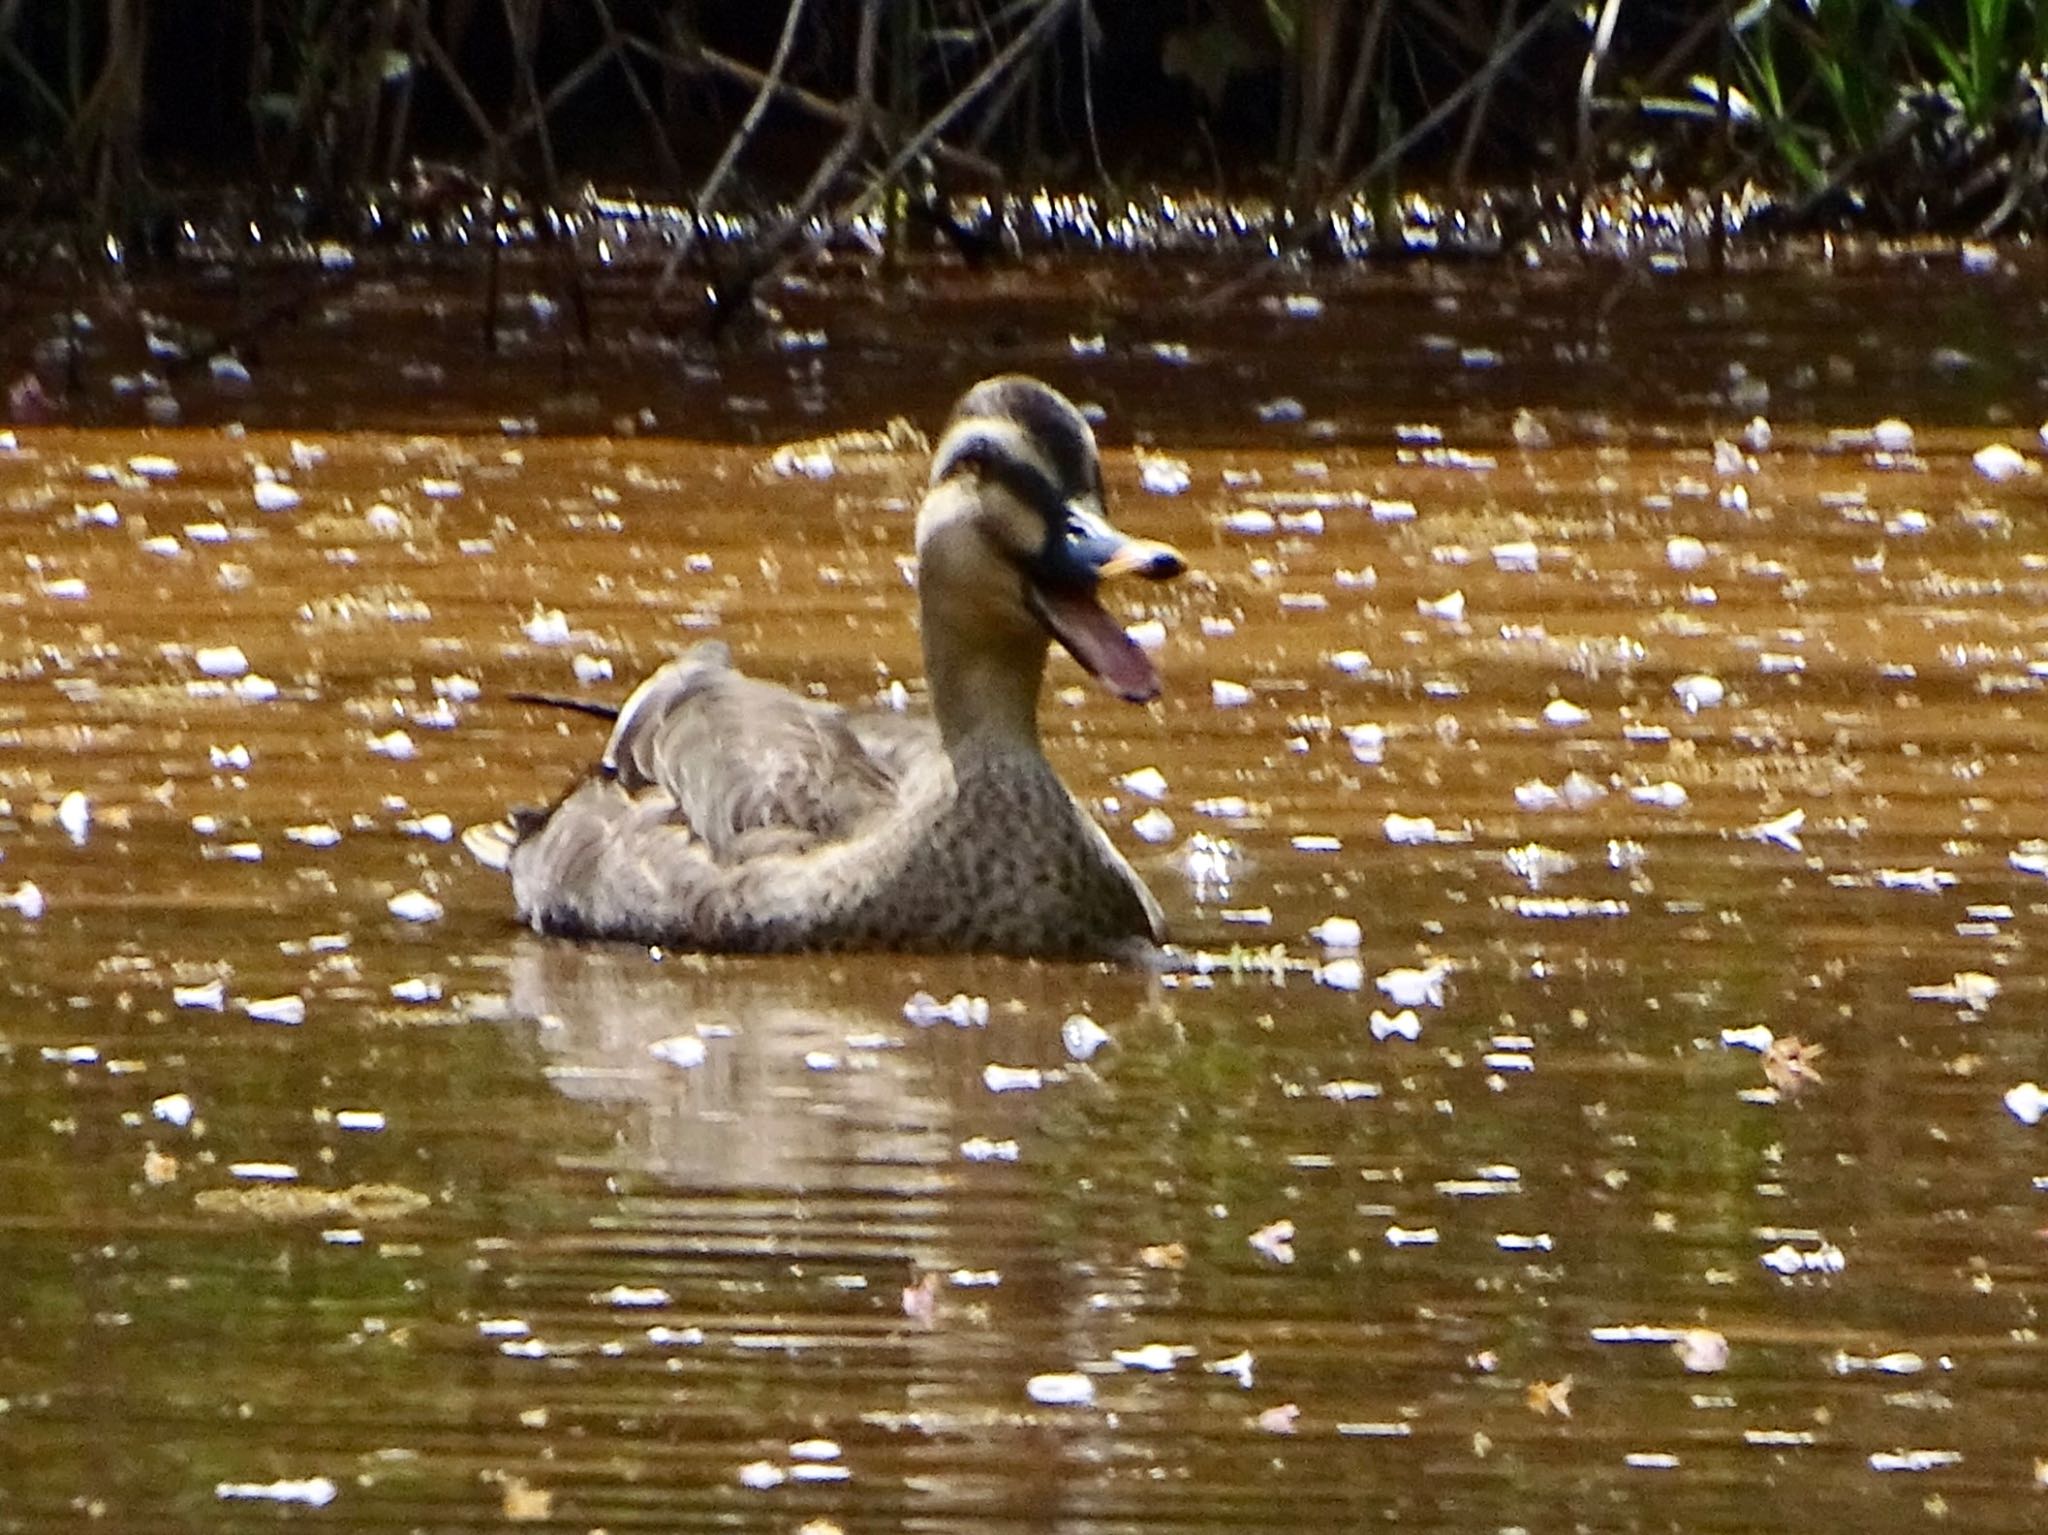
(1621, 749)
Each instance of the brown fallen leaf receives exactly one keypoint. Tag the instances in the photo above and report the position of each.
(1545, 1397)
(1164, 1255)
(1279, 1420)
(523, 1503)
(1788, 1064)
(921, 1299)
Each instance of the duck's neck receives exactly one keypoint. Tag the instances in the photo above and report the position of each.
(985, 698)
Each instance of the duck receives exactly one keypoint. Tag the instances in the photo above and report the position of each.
(728, 814)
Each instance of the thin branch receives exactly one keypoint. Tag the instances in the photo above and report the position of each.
(839, 113)
(1450, 104)
(1596, 55)
(1049, 15)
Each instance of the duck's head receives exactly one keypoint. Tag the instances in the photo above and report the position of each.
(1013, 541)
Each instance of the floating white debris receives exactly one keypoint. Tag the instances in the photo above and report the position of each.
(1147, 634)
(1411, 830)
(1348, 1090)
(1315, 842)
(1253, 522)
(74, 814)
(1344, 973)
(1699, 690)
(220, 660)
(1063, 1389)
(1011, 1079)
(396, 745)
(962, 1011)
(1783, 830)
(436, 827)
(1145, 782)
(1155, 1357)
(1893, 435)
(287, 1010)
(264, 1172)
(1082, 1036)
(414, 906)
(440, 490)
(416, 988)
(1340, 933)
(1412, 1236)
(1275, 1241)
(312, 1491)
(230, 759)
(549, 626)
(631, 1297)
(1450, 607)
(1787, 1260)
(1971, 989)
(1154, 826)
(1368, 742)
(173, 1109)
(1754, 1037)
(359, 1121)
(1391, 511)
(589, 669)
(1411, 986)
(761, 1475)
(1351, 663)
(1163, 476)
(66, 589)
(317, 834)
(275, 496)
(683, 1050)
(1536, 864)
(1520, 556)
(255, 689)
(1701, 1350)
(2030, 858)
(1225, 694)
(2027, 1103)
(1406, 1024)
(1665, 796)
(212, 996)
(1684, 552)
(1914, 1460)
(2000, 462)
(1564, 714)
(1283, 409)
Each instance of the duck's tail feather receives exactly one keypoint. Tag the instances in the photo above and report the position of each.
(595, 707)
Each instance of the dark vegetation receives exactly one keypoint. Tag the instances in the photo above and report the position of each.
(1889, 113)
(744, 136)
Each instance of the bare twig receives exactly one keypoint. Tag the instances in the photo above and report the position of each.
(839, 113)
(1500, 59)
(1476, 121)
(1589, 76)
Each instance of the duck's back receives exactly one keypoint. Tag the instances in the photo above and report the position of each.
(733, 815)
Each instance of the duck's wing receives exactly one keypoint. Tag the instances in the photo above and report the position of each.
(747, 766)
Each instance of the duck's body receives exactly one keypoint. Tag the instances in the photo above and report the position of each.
(730, 814)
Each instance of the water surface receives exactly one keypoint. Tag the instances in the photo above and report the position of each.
(1631, 736)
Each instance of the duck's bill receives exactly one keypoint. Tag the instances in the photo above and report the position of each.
(1091, 634)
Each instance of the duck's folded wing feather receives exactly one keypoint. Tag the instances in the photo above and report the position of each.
(744, 764)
